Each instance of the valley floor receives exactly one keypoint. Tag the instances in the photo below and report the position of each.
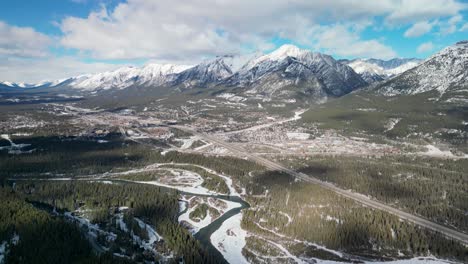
(276, 219)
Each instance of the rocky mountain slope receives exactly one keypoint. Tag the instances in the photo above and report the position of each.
(445, 72)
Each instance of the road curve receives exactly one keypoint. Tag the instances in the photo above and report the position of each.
(448, 232)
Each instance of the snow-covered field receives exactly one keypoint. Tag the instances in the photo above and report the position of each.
(392, 122)
(297, 135)
(230, 238)
(185, 181)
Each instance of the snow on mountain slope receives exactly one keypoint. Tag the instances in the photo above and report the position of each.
(404, 67)
(443, 72)
(207, 72)
(20, 85)
(280, 54)
(373, 70)
(362, 66)
(150, 74)
(236, 62)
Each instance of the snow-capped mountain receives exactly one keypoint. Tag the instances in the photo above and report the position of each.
(446, 71)
(373, 70)
(291, 68)
(286, 72)
(31, 85)
(151, 74)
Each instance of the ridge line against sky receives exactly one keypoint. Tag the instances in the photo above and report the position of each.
(54, 39)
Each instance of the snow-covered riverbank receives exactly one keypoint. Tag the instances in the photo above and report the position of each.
(230, 239)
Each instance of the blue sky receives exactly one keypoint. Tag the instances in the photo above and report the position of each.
(52, 39)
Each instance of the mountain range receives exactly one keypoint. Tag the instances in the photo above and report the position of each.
(288, 72)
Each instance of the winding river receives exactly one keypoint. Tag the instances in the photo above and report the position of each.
(204, 234)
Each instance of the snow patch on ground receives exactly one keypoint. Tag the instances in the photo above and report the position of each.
(231, 97)
(230, 239)
(14, 148)
(297, 136)
(187, 142)
(285, 214)
(434, 151)
(2, 251)
(152, 235)
(182, 206)
(121, 224)
(392, 122)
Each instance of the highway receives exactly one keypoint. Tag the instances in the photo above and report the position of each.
(448, 232)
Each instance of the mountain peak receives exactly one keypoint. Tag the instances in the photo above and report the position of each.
(286, 50)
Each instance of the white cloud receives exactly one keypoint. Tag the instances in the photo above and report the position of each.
(202, 28)
(405, 11)
(464, 27)
(418, 29)
(50, 68)
(450, 26)
(425, 47)
(22, 41)
(344, 41)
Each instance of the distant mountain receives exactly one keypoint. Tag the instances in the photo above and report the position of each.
(373, 70)
(292, 71)
(149, 75)
(22, 85)
(444, 72)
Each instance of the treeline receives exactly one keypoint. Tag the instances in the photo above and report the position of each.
(69, 196)
(308, 212)
(72, 156)
(434, 188)
(185, 245)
